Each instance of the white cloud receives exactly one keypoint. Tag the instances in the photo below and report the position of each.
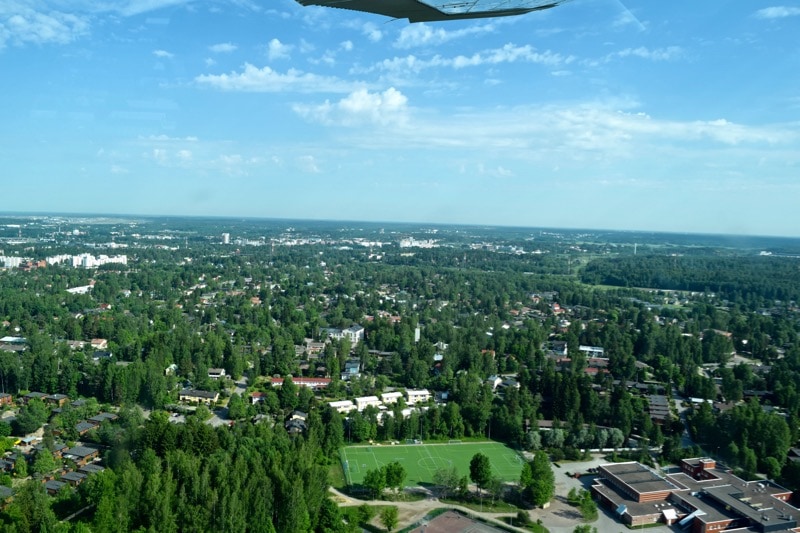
(360, 107)
(592, 131)
(347, 45)
(167, 138)
(777, 12)
(658, 54)
(415, 35)
(509, 53)
(137, 7)
(372, 32)
(627, 18)
(278, 50)
(495, 172)
(163, 53)
(20, 24)
(210, 62)
(266, 80)
(223, 48)
(307, 163)
(328, 58)
(235, 164)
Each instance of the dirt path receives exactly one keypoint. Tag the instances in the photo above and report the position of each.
(412, 512)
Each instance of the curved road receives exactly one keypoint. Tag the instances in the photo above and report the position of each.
(422, 508)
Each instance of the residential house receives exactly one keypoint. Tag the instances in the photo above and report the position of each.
(298, 415)
(33, 396)
(81, 454)
(57, 450)
(216, 373)
(354, 334)
(311, 383)
(295, 427)
(99, 344)
(352, 370)
(592, 351)
(74, 478)
(365, 401)
(53, 486)
(296, 423)
(6, 399)
(198, 396)
(57, 399)
(510, 383)
(417, 396)
(391, 397)
(102, 417)
(342, 406)
(494, 381)
(101, 355)
(84, 427)
(90, 469)
(313, 348)
(257, 397)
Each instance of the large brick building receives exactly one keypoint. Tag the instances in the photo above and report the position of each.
(708, 497)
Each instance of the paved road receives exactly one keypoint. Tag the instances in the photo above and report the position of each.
(220, 416)
(686, 439)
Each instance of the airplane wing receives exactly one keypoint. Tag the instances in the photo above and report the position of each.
(435, 10)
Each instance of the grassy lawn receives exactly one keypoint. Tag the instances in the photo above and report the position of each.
(422, 460)
(531, 526)
(336, 476)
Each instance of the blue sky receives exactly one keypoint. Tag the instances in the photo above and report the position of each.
(666, 116)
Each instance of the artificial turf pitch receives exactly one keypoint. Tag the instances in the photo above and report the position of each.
(422, 460)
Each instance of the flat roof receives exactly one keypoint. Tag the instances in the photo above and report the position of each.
(638, 477)
(633, 507)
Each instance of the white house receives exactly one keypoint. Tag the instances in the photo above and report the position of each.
(591, 351)
(216, 373)
(343, 406)
(418, 396)
(494, 381)
(354, 334)
(391, 397)
(365, 401)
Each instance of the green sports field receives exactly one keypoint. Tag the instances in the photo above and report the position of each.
(422, 460)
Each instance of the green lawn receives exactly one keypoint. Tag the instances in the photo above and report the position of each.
(422, 460)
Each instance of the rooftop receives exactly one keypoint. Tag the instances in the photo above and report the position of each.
(638, 477)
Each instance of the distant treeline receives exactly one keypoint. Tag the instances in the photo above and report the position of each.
(739, 279)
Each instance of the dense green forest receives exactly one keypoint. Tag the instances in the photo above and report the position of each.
(747, 281)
